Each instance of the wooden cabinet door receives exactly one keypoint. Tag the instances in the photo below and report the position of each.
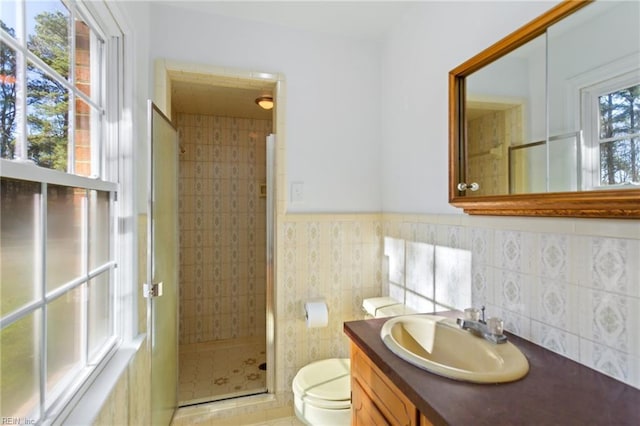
(424, 421)
(388, 400)
(363, 411)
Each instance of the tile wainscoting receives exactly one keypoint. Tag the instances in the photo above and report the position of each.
(336, 257)
(569, 285)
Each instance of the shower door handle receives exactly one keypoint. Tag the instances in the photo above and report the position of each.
(152, 290)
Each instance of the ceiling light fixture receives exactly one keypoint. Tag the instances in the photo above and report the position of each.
(265, 102)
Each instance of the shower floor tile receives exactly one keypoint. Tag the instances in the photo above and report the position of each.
(211, 371)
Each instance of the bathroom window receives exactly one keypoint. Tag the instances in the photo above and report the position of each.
(59, 181)
(612, 132)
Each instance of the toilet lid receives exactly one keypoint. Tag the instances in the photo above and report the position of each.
(325, 383)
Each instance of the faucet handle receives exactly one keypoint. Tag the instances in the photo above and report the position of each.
(482, 319)
(472, 314)
(495, 326)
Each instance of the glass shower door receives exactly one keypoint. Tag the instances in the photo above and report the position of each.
(162, 266)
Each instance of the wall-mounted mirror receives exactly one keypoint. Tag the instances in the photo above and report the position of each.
(547, 120)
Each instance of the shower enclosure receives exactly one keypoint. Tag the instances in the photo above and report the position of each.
(223, 256)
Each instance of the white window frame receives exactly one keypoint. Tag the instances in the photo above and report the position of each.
(108, 161)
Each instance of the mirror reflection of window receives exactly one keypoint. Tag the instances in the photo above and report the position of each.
(611, 114)
(619, 136)
(561, 112)
(594, 73)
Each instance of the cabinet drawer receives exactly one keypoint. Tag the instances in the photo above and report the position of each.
(388, 399)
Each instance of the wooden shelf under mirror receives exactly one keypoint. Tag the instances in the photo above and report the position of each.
(534, 90)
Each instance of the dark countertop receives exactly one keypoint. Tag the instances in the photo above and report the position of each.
(556, 391)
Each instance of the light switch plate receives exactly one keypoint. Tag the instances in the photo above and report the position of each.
(297, 192)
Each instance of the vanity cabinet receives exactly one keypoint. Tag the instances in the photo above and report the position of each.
(386, 390)
(375, 400)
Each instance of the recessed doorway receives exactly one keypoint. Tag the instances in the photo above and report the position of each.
(225, 287)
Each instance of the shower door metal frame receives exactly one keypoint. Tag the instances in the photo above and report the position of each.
(271, 261)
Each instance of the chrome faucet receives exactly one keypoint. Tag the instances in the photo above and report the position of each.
(479, 327)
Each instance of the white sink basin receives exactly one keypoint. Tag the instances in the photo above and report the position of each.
(438, 345)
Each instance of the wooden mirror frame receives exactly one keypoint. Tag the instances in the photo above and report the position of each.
(611, 203)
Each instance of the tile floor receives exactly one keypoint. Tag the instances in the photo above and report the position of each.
(200, 416)
(284, 421)
(221, 369)
(249, 421)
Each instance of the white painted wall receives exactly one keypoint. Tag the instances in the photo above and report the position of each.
(416, 59)
(366, 122)
(332, 97)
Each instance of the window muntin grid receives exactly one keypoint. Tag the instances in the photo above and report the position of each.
(58, 221)
(52, 87)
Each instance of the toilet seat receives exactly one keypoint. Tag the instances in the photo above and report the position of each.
(322, 392)
(325, 383)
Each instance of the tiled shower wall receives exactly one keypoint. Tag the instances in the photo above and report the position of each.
(489, 154)
(222, 220)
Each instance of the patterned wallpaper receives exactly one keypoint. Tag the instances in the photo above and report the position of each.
(222, 220)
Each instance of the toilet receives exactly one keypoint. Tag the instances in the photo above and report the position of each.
(322, 393)
(382, 307)
(322, 389)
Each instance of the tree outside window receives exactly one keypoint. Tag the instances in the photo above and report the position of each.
(48, 100)
(619, 136)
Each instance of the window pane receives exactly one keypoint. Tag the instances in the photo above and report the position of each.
(20, 253)
(99, 311)
(620, 161)
(47, 120)
(8, 15)
(87, 124)
(89, 61)
(7, 101)
(620, 112)
(20, 395)
(64, 316)
(99, 229)
(64, 234)
(48, 33)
